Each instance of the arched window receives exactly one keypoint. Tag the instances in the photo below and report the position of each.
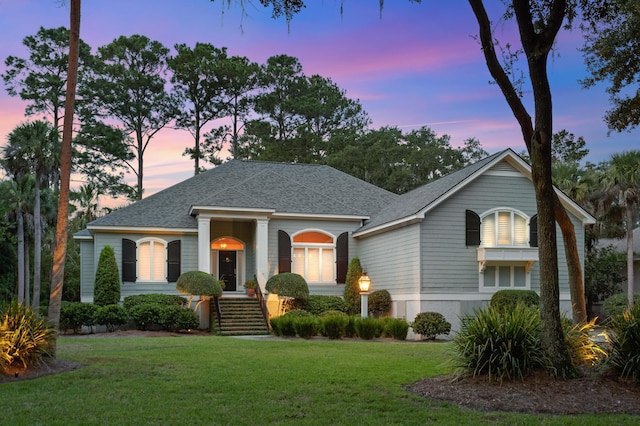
(152, 260)
(504, 227)
(314, 256)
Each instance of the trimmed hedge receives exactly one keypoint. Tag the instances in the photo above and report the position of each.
(111, 316)
(317, 304)
(75, 315)
(509, 299)
(156, 298)
(397, 328)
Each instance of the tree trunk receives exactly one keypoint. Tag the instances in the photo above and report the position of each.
(630, 277)
(37, 247)
(27, 274)
(60, 250)
(20, 231)
(574, 266)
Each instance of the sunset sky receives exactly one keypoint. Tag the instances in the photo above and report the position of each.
(416, 65)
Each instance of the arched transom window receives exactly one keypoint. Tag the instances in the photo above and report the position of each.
(504, 228)
(314, 256)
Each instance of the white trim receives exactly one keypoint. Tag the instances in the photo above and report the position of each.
(320, 216)
(453, 297)
(205, 210)
(399, 223)
(143, 229)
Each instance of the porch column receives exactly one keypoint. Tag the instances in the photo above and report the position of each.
(204, 241)
(262, 251)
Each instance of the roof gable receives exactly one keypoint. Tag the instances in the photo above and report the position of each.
(415, 204)
(279, 187)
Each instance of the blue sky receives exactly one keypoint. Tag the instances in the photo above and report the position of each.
(416, 65)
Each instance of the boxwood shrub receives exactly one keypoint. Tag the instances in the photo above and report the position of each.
(508, 299)
(111, 316)
(379, 303)
(155, 298)
(430, 324)
(317, 304)
(75, 315)
(176, 318)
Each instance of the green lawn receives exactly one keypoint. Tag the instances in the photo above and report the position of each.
(223, 380)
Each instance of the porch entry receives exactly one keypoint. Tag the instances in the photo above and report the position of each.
(227, 262)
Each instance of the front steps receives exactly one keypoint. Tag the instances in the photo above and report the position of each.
(240, 316)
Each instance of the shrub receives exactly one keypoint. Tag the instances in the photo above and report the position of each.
(317, 304)
(176, 318)
(25, 337)
(351, 288)
(334, 325)
(509, 299)
(288, 284)
(283, 326)
(306, 326)
(146, 314)
(298, 313)
(582, 349)
(350, 328)
(111, 316)
(74, 315)
(107, 283)
(430, 324)
(368, 328)
(396, 328)
(617, 304)
(624, 341)
(198, 283)
(379, 303)
(602, 273)
(154, 298)
(500, 344)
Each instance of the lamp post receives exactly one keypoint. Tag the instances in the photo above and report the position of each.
(364, 282)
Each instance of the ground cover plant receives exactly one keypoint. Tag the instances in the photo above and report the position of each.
(142, 380)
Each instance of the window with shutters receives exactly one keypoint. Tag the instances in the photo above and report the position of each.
(506, 253)
(314, 256)
(152, 260)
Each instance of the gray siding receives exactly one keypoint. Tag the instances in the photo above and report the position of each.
(189, 261)
(448, 265)
(391, 260)
(293, 226)
(87, 271)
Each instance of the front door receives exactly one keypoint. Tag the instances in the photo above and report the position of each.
(227, 269)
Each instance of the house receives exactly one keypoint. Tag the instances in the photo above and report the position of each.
(620, 246)
(446, 246)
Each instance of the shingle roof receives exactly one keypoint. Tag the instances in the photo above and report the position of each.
(620, 244)
(412, 202)
(283, 187)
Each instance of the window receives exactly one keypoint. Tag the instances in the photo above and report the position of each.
(150, 259)
(504, 276)
(314, 256)
(504, 228)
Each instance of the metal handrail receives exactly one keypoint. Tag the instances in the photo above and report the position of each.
(218, 312)
(263, 305)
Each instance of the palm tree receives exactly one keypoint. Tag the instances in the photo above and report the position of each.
(33, 148)
(623, 180)
(60, 249)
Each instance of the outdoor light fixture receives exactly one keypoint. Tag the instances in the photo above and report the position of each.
(364, 282)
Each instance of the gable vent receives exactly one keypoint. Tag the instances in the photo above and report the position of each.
(503, 166)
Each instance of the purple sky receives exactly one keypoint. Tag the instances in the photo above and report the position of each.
(418, 65)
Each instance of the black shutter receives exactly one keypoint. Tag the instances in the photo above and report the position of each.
(533, 231)
(472, 228)
(173, 261)
(284, 252)
(128, 260)
(342, 257)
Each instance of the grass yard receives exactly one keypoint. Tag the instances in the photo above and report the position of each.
(223, 380)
